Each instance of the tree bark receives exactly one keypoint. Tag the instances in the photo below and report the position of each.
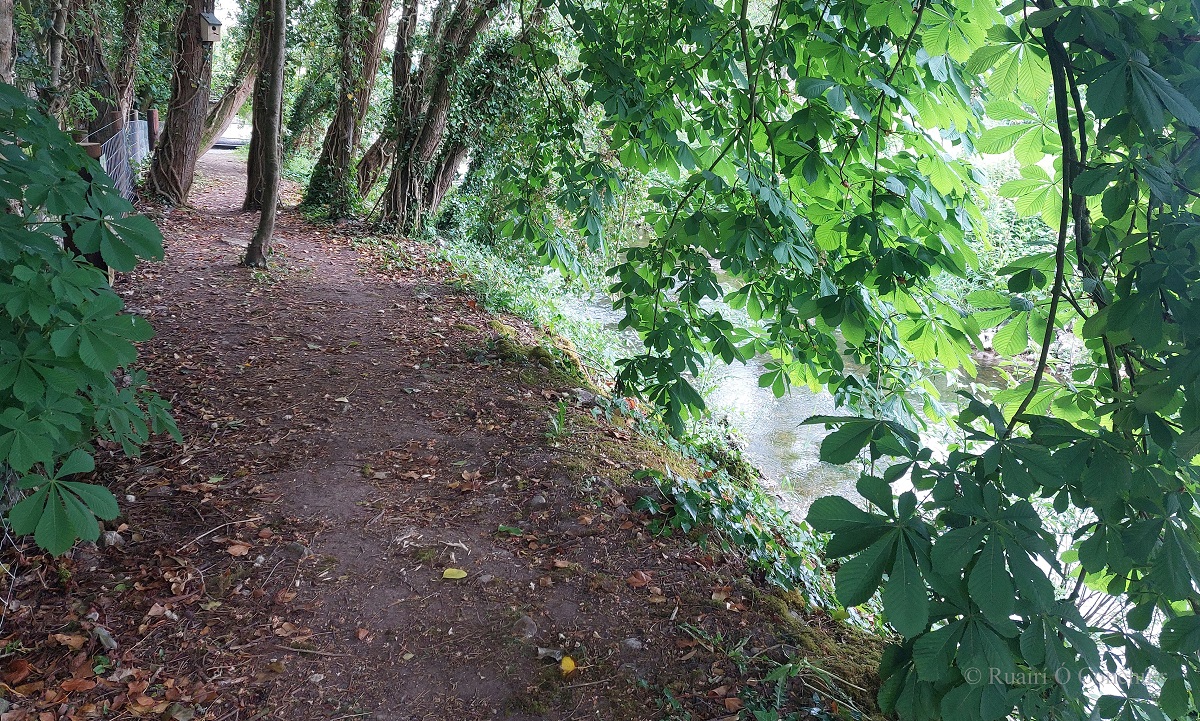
(330, 182)
(421, 105)
(221, 114)
(125, 78)
(174, 163)
(443, 177)
(272, 153)
(381, 152)
(374, 160)
(8, 41)
(54, 97)
(372, 56)
(89, 69)
(256, 179)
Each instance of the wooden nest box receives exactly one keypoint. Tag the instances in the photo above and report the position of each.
(210, 28)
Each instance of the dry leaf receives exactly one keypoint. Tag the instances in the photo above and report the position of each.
(454, 573)
(15, 671)
(637, 579)
(72, 642)
(561, 563)
(28, 689)
(78, 684)
(238, 549)
(733, 703)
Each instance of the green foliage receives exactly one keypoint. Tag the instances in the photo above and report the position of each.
(820, 181)
(93, 34)
(744, 518)
(508, 280)
(62, 335)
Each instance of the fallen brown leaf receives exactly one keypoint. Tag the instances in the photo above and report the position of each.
(78, 684)
(237, 549)
(637, 579)
(15, 671)
(72, 642)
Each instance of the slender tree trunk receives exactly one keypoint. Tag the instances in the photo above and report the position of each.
(125, 77)
(221, 114)
(372, 56)
(240, 86)
(374, 160)
(330, 182)
(8, 41)
(54, 97)
(174, 163)
(255, 164)
(272, 100)
(443, 177)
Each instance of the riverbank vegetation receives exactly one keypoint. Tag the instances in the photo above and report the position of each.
(861, 196)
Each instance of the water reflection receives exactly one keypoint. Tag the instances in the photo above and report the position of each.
(772, 429)
(787, 452)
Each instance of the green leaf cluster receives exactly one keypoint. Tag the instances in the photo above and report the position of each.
(63, 338)
(808, 167)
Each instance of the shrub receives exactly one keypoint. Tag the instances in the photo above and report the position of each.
(63, 338)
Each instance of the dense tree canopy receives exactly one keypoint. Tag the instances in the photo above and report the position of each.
(809, 176)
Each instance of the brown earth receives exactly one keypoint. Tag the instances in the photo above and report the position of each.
(352, 434)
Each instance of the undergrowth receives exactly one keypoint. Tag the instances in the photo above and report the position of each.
(508, 285)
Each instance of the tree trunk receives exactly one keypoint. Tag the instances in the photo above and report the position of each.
(125, 78)
(240, 86)
(8, 41)
(221, 114)
(421, 107)
(330, 182)
(256, 180)
(89, 69)
(272, 159)
(372, 56)
(377, 157)
(174, 163)
(443, 177)
(54, 97)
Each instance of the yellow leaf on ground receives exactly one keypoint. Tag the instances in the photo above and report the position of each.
(454, 573)
(567, 665)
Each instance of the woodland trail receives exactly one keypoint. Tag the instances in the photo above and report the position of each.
(350, 435)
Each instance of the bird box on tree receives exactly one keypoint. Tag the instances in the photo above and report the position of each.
(210, 28)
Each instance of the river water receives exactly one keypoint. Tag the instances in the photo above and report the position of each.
(770, 430)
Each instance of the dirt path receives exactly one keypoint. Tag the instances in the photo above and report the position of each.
(350, 437)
